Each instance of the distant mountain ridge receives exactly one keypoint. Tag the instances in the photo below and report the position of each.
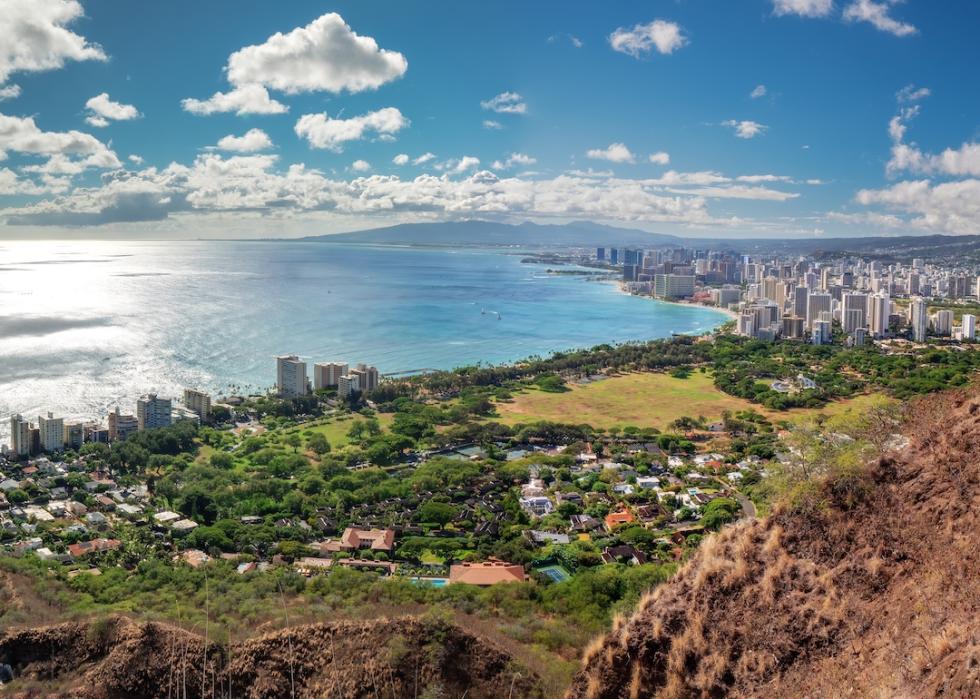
(588, 234)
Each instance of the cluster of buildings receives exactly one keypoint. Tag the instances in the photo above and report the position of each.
(807, 299)
(53, 434)
(292, 380)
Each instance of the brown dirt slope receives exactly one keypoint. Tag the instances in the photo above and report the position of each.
(870, 589)
(388, 658)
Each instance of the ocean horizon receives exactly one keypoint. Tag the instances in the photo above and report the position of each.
(88, 325)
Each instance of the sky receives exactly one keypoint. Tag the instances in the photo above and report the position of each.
(237, 118)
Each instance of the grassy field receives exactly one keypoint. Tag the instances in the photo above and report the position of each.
(641, 399)
(335, 429)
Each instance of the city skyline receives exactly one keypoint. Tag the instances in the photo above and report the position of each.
(679, 118)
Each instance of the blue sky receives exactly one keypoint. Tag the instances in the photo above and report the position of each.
(697, 117)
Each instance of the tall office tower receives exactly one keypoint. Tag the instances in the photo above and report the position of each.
(20, 435)
(290, 376)
(944, 323)
(153, 412)
(825, 275)
(327, 374)
(600, 254)
(367, 377)
(199, 403)
(801, 295)
(816, 304)
(792, 326)
(613, 255)
(121, 426)
(854, 302)
(968, 328)
(52, 432)
(919, 319)
(879, 308)
(852, 319)
(913, 284)
(629, 272)
(847, 280)
(918, 264)
(774, 289)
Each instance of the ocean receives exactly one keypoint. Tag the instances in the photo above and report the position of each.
(88, 325)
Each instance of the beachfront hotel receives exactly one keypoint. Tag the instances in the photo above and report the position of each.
(291, 379)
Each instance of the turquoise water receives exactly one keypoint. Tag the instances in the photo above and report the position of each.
(86, 325)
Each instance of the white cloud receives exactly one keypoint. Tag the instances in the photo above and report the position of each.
(764, 178)
(745, 129)
(907, 157)
(492, 125)
(576, 42)
(400, 159)
(911, 93)
(105, 107)
(614, 153)
(424, 158)
(96, 121)
(253, 140)
(877, 14)
(9, 92)
(951, 207)
(868, 218)
(243, 99)
(325, 55)
(758, 91)
(136, 159)
(36, 37)
(22, 135)
(803, 8)
(505, 103)
(513, 159)
(322, 131)
(660, 158)
(360, 166)
(660, 35)
(461, 165)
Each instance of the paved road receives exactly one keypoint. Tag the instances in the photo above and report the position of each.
(748, 507)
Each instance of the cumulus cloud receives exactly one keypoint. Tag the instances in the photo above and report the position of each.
(614, 153)
(745, 129)
(400, 159)
(244, 99)
(324, 56)
(908, 157)
(424, 158)
(102, 110)
(659, 35)
(876, 13)
(22, 135)
(9, 92)
(136, 159)
(492, 125)
(36, 36)
(514, 159)
(360, 166)
(323, 131)
(251, 141)
(505, 103)
(758, 91)
(952, 207)
(660, 158)
(803, 8)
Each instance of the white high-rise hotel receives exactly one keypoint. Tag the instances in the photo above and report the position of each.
(291, 376)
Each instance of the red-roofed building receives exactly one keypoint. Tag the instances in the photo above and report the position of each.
(83, 548)
(355, 539)
(614, 519)
(491, 572)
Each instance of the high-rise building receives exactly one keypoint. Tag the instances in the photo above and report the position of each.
(968, 327)
(291, 376)
(367, 377)
(153, 412)
(348, 384)
(327, 374)
(20, 436)
(121, 426)
(74, 435)
(199, 403)
(673, 286)
(801, 295)
(821, 332)
(919, 319)
(600, 254)
(879, 309)
(51, 432)
(815, 305)
(943, 323)
(613, 255)
(854, 311)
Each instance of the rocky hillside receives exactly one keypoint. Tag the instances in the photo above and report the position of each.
(868, 587)
(406, 657)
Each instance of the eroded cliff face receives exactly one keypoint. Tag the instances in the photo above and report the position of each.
(874, 590)
(407, 657)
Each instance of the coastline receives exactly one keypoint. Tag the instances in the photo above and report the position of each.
(731, 314)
